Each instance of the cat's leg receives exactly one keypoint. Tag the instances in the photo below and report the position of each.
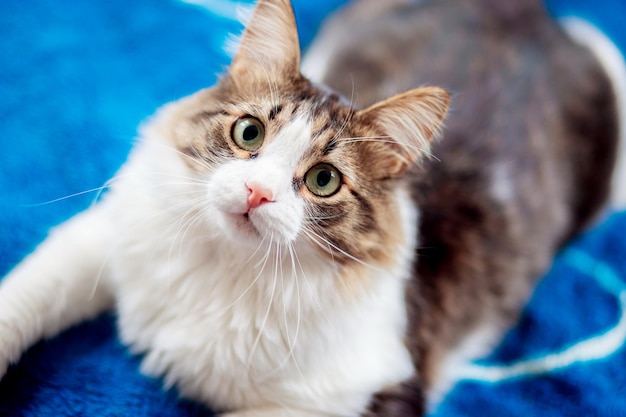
(276, 412)
(56, 286)
(402, 400)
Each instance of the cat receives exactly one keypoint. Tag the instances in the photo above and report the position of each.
(283, 245)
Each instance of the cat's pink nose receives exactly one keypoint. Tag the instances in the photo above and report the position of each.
(258, 194)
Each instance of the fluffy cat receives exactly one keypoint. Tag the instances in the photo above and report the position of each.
(274, 249)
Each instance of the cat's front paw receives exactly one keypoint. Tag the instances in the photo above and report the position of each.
(7, 348)
(4, 360)
(4, 366)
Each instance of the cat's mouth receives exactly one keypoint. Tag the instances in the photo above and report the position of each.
(244, 225)
(274, 224)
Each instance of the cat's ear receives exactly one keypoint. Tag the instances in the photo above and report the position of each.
(408, 123)
(269, 46)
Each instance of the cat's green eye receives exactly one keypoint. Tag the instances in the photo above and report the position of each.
(248, 133)
(323, 180)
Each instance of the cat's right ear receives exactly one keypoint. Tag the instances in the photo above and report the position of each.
(269, 50)
(408, 123)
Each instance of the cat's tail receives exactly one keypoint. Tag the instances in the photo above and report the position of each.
(613, 62)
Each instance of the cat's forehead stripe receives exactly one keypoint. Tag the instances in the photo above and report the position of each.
(275, 111)
(332, 144)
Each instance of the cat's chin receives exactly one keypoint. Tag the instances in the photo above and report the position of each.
(240, 229)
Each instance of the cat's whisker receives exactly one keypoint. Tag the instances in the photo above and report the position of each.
(312, 293)
(292, 345)
(200, 160)
(185, 180)
(309, 224)
(208, 161)
(99, 190)
(327, 248)
(315, 236)
(192, 217)
(67, 197)
(270, 303)
(263, 263)
(117, 242)
(188, 179)
(286, 334)
(314, 218)
(108, 184)
(189, 219)
(285, 319)
(258, 248)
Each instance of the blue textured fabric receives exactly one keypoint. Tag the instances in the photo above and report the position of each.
(77, 77)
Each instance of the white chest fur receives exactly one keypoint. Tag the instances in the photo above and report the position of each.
(242, 335)
(270, 329)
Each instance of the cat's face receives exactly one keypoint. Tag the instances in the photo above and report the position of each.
(286, 162)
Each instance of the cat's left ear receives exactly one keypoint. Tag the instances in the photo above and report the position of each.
(269, 46)
(409, 122)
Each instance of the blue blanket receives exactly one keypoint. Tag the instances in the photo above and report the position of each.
(76, 78)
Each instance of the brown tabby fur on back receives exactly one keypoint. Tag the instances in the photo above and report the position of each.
(532, 111)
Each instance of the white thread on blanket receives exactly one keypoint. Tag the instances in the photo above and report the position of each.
(595, 348)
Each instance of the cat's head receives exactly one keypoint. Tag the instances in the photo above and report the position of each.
(286, 161)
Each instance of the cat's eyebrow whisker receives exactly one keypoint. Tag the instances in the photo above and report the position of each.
(352, 92)
(381, 139)
(345, 122)
(422, 150)
(273, 87)
(359, 138)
